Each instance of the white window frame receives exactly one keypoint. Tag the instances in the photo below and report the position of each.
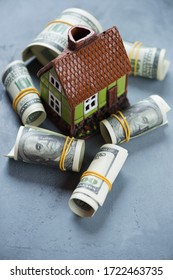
(55, 82)
(88, 103)
(54, 103)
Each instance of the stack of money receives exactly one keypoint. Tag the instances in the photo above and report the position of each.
(53, 39)
(41, 146)
(146, 61)
(97, 181)
(25, 97)
(140, 118)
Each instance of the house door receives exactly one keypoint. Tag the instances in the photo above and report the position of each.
(112, 96)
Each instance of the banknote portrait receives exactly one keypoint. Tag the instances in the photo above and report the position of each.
(40, 148)
(140, 117)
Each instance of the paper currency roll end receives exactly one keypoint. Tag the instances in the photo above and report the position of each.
(24, 96)
(34, 117)
(161, 102)
(79, 155)
(82, 205)
(107, 132)
(96, 182)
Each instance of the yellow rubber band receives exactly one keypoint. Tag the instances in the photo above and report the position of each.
(132, 50)
(60, 21)
(23, 93)
(136, 58)
(124, 124)
(135, 45)
(93, 173)
(65, 150)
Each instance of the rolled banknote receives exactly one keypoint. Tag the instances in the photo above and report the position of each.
(25, 97)
(146, 61)
(41, 146)
(140, 118)
(53, 39)
(97, 181)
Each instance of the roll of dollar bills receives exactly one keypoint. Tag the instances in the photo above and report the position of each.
(140, 118)
(41, 146)
(146, 61)
(97, 181)
(25, 97)
(53, 39)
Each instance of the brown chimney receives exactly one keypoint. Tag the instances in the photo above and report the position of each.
(79, 36)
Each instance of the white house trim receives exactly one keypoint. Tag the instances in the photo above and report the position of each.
(90, 103)
(55, 82)
(54, 103)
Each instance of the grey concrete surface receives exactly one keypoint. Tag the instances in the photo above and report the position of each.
(136, 220)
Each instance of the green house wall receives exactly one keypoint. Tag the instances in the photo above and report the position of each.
(121, 85)
(46, 86)
(102, 99)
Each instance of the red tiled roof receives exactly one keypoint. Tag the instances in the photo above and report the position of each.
(94, 66)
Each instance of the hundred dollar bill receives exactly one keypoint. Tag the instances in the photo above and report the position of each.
(25, 97)
(41, 146)
(146, 61)
(141, 118)
(53, 39)
(97, 181)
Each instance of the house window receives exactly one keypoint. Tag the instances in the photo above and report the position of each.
(90, 103)
(54, 103)
(55, 82)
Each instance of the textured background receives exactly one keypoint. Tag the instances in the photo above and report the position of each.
(136, 221)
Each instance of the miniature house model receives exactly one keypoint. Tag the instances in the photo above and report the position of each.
(87, 82)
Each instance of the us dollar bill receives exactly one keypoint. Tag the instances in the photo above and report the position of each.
(141, 117)
(92, 190)
(41, 146)
(150, 62)
(16, 78)
(53, 39)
